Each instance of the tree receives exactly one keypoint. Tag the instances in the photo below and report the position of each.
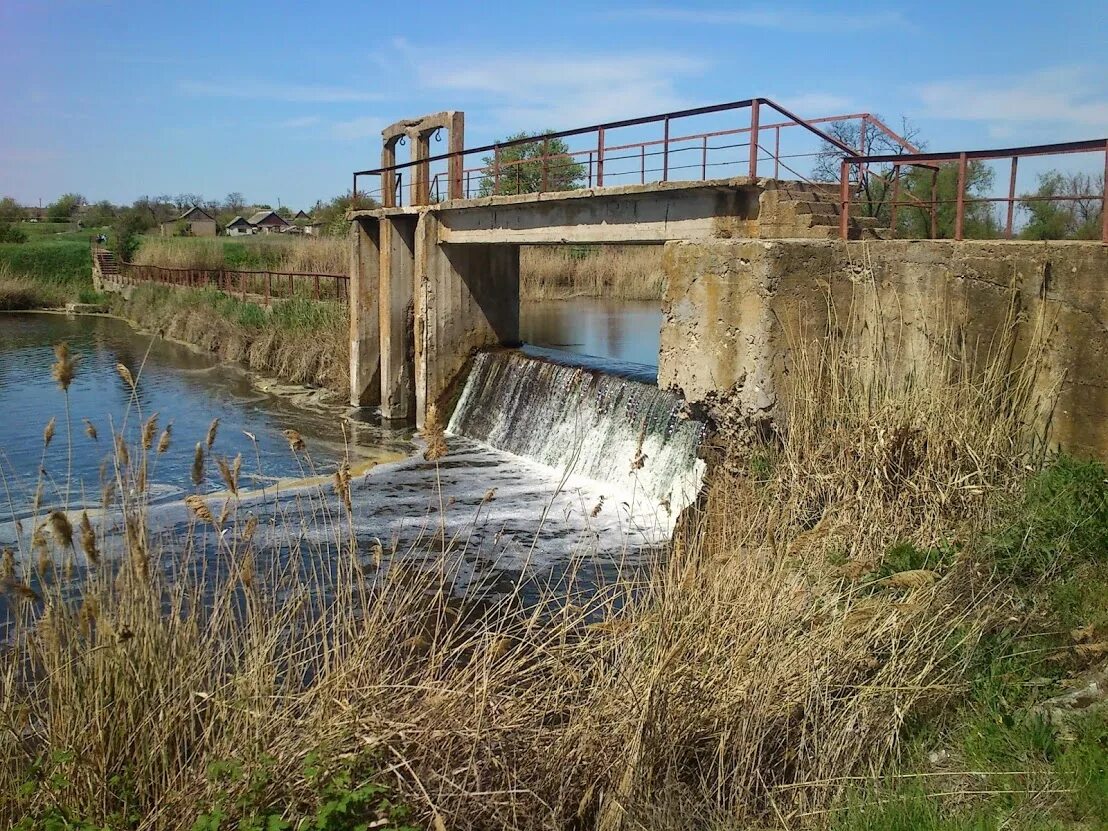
(876, 180)
(10, 210)
(332, 215)
(128, 227)
(1077, 218)
(101, 213)
(522, 167)
(234, 202)
(63, 209)
(979, 220)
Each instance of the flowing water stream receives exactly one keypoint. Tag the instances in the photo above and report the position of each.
(548, 463)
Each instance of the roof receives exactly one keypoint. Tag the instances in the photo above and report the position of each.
(236, 221)
(194, 210)
(302, 215)
(261, 216)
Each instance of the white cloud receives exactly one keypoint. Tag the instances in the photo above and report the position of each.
(276, 91)
(563, 90)
(1066, 97)
(775, 17)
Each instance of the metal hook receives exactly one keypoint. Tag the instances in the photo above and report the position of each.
(438, 134)
(403, 140)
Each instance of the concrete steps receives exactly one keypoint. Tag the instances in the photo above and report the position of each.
(816, 207)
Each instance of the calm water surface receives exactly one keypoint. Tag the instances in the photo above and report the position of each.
(621, 331)
(185, 388)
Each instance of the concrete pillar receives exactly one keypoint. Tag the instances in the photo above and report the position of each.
(396, 317)
(365, 346)
(466, 297)
(388, 178)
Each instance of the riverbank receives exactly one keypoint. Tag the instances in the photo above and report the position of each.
(299, 341)
(856, 628)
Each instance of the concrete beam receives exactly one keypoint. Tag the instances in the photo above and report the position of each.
(365, 341)
(397, 282)
(642, 217)
(466, 298)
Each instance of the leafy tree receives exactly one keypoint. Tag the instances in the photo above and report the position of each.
(129, 227)
(522, 167)
(332, 214)
(285, 212)
(10, 211)
(63, 209)
(979, 220)
(100, 213)
(1077, 218)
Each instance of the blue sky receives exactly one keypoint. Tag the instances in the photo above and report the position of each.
(281, 101)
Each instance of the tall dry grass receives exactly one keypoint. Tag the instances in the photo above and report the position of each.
(295, 253)
(772, 656)
(299, 341)
(619, 272)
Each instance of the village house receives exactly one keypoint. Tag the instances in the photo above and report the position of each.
(238, 227)
(195, 222)
(268, 222)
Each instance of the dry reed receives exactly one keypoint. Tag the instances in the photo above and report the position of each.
(760, 662)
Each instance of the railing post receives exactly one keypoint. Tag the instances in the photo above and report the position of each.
(935, 203)
(754, 139)
(268, 288)
(545, 171)
(665, 150)
(590, 168)
(600, 158)
(777, 152)
(242, 285)
(496, 170)
(896, 198)
(960, 205)
(1104, 199)
(704, 158)
(642, 164)
(1011, 198)
(844, 200)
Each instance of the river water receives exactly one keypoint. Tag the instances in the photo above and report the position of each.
(547, 463)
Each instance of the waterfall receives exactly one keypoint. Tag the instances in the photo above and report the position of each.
(611, 429)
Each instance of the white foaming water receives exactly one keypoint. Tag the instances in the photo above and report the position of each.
(625, 434)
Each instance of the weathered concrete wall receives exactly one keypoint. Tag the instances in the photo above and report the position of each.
(466, 297)
(397, 314)
(738, 313)
(365, 340)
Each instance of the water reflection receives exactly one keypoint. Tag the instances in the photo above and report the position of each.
(623, 330)
(185, 388)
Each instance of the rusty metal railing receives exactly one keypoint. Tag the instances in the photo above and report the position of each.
(262, 287)
(934, 161)
(670, 157)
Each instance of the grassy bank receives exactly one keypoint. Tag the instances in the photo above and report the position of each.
(300, 341)
(892, 573)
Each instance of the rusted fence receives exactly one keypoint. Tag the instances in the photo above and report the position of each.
(261, 287)
(855, 166)
(675, 155)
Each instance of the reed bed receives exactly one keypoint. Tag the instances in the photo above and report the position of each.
(19, 293)
(301, 254)
(618, 272)
(776, 649)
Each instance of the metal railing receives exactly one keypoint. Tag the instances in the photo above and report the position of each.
(933, 161)
(261, 287)
(670, 157)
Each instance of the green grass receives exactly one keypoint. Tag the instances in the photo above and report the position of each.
(63, 263)
(1053, 549)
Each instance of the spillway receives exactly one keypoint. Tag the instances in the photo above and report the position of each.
(623, 432)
